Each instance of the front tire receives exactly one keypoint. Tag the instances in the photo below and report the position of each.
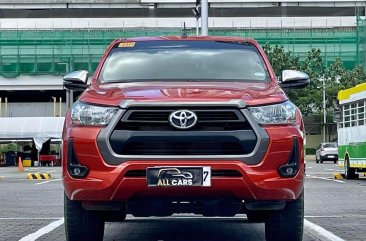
(287, 224)
(349, 173)
(81, 224)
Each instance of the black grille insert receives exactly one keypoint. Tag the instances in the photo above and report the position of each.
(135, 173)
(163, 115)
(208, 119)
(184, 148)
(226, 173)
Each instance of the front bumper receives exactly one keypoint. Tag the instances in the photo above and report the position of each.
(329, 156)
(106, 182)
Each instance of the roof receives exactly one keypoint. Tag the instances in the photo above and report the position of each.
(352, 94)
(26, 82)
(192, 38)
(40, 129)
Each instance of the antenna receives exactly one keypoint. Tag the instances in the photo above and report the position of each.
(184, 34)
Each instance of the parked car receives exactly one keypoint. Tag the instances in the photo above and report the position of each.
(327, 151)
(184, 124)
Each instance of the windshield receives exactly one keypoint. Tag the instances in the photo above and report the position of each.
(330, 145)
(183, 60)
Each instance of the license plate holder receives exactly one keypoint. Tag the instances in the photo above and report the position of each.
(178, 176)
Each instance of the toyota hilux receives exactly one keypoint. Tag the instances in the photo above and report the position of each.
(174, 124)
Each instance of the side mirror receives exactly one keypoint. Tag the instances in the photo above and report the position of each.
(294, 79)
(76, 80)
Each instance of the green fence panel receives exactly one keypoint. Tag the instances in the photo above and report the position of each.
(361, 41)
(37, 52)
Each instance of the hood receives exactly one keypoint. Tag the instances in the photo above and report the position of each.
(250, 93)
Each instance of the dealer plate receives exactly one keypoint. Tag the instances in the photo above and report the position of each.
(178, 176)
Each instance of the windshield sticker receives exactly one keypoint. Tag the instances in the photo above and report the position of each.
(127, 45)
(259, 74)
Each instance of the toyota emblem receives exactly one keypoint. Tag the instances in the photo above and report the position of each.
(183, 119)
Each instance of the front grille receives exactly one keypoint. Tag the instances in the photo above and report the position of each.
(158, 120)
(135, 173)
(226, 173)
(147, 131)
(163, 116)
(184, 148)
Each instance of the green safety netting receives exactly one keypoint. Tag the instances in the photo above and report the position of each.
(37, 52)
(361, 43)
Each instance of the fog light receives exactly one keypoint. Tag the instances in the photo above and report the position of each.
(78, 171)
(75, 169)
(288, 170)
(291, 168)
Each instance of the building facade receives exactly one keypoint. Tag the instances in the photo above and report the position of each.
(41, 40)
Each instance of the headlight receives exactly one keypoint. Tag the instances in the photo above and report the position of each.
(284, 113)
(84, 114)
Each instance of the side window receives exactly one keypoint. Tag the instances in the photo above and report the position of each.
(346, 115)
(353, 114)
(361, 113)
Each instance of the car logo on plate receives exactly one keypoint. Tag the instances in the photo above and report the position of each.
(183, 119)
(174, 177)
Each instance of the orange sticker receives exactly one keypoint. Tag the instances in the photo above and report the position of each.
(127, 45)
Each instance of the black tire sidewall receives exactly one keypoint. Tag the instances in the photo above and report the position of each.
(81, 224)
(287, 224)
(349, 173)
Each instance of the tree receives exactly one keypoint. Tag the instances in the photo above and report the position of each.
(280, 60)
(8, 147)
(336, 77)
